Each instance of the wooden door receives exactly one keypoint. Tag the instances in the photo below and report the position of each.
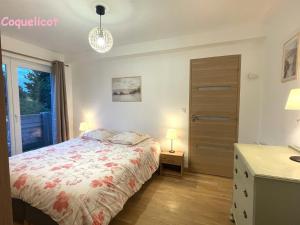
(5, 197)
(214, 114)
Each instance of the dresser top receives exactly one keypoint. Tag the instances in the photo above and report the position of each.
(271, 161)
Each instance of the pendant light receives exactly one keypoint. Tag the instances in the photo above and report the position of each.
(100, 39)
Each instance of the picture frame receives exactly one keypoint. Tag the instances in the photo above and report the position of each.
(127, 89)
(290, 68)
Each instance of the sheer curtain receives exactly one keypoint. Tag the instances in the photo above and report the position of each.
(62, 120)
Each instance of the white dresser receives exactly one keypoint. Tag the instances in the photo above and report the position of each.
(266, 186)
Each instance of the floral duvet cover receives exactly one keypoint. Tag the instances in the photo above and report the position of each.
(82, 182)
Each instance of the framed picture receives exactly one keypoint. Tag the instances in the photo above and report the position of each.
(291, 59)
(127, 89)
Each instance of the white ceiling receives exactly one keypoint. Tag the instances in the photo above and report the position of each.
(130, 21)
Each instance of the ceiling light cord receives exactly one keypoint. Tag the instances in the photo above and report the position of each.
(100, 23)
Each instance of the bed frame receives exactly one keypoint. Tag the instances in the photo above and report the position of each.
(23, 213)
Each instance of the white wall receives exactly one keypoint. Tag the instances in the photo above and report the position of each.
(165, 91)
(279, 126)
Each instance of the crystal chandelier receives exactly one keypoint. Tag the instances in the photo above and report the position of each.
(100, 39)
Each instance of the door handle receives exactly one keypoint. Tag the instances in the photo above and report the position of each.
(214, 88)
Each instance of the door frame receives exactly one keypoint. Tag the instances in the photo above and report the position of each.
(238, 103)
(5, 193)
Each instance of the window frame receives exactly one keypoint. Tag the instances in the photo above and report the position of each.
(13, 95)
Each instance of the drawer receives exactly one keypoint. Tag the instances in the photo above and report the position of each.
(247, 201)
(237, 206)
(238, 171)
(241, 171)
(243, 194)
(242, 215)
(245, 176)
(239, 217)
(174, 160)
(245, 218)
(236, 213)
(247, 213)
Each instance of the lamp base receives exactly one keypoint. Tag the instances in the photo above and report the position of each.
(295, 158)
(172, 151)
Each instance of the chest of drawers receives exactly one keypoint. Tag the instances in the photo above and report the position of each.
(266, 188)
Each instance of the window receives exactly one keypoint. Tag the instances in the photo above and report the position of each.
(30, 105)
(35, 108)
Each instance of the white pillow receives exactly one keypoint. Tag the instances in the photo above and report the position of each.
(128, 138)
(98, 134)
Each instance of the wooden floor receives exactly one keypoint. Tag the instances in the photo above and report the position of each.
(192, 200)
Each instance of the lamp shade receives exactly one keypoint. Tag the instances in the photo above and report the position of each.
(171, 134)
(100, 40)
(83, 126)
(293, 102)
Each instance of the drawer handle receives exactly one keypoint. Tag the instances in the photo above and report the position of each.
(235, 206)
(246, 174)
(236, 171)
(235, 187)
(236, 157)
(246, 193)
(245, 214)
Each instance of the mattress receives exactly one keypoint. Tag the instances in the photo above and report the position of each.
(82, 181)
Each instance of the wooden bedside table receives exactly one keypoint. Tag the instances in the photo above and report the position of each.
(171, 163)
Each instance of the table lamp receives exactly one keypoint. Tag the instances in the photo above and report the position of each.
(293, 103)
(172, 135)
(83, 127)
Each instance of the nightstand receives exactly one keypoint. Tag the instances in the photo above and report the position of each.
(171, 163)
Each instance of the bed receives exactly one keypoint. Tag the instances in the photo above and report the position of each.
(80, 182)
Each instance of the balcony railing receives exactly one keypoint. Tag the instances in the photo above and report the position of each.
(36, 131)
